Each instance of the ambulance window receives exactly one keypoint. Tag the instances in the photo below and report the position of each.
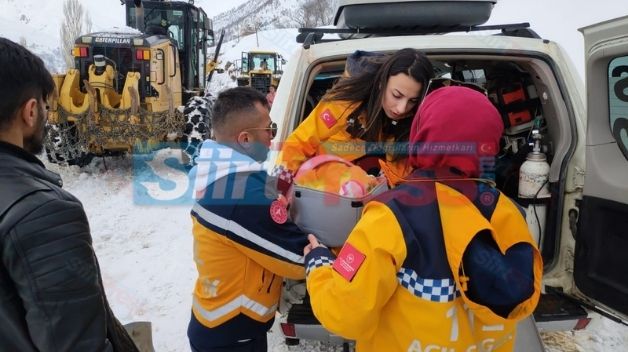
(618, 101)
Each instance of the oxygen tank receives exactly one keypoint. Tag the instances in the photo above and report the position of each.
(534, 188)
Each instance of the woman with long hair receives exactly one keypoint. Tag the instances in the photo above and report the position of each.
(365, 117)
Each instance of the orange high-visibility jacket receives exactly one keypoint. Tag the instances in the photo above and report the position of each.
(422, 284)
(241, 254)
(324, 132)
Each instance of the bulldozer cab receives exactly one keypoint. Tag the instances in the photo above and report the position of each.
(189, 29)
(261, 69)
(260, 61)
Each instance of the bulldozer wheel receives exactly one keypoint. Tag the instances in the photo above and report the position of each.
(61, 146)
(197, 112)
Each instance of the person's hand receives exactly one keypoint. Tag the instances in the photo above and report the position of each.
(313, 244)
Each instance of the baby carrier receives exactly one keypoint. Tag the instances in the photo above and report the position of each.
(328, 195)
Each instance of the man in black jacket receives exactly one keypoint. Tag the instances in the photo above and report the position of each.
(51, 292)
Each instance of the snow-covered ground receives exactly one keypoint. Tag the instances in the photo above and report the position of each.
(602, 335)
(145, 253)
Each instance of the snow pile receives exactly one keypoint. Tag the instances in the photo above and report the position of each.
(120, 29)
(601, 335)
(222, 81)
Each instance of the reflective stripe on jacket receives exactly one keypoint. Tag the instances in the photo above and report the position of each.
(241, 254)
(404, 295)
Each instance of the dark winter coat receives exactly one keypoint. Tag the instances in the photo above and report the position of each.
(51, 292)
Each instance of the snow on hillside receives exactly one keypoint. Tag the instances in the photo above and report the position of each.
(265, 14)
(221, 82)
(37, 23)
(214, 8)
(26, 22)
(282, 41)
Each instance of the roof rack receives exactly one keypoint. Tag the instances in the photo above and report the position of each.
(309, 36)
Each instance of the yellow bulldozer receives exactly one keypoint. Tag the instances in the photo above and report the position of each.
(126, 88)
(260, 69)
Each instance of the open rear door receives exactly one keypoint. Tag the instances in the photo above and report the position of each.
(601, 258)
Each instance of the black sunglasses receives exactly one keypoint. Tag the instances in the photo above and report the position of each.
(272, 128)
(436, 83)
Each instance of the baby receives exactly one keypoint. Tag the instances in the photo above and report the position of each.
(332, 174)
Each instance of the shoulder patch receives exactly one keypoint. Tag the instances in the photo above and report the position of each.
(348, 262)
(328, 118)
(279, 210)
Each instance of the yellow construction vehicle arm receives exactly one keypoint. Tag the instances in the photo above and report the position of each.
(211, 65)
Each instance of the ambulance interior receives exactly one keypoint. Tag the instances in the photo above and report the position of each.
(528, 95)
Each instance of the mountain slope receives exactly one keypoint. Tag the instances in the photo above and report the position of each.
(263, 14)
(271, 14)
(36, 24)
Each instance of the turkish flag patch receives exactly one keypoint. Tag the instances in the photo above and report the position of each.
(328, 118)
(348, 261)
(487, 149)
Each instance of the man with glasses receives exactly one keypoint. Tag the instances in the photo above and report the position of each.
(51, 292)
(244, 244)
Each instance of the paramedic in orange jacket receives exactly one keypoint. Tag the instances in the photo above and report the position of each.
(242, 250)
(424, 268)
(359, 112)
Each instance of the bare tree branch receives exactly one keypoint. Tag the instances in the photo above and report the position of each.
(76, 19)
